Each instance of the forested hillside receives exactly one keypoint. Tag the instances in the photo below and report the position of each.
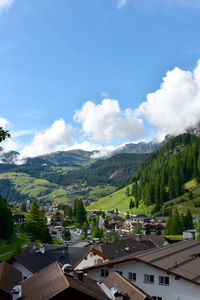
(163, 174)
(169, 176)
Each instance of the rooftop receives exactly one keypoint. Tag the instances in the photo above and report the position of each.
(181, 259)
(9, 276)
(51, 281)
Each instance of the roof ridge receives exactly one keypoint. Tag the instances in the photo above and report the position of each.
(162, 248)
(175, 252)
(68, 284)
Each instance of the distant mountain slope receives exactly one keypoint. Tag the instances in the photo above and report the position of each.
(163, 179)
(141, 147)
(8, 156)
(69, 158)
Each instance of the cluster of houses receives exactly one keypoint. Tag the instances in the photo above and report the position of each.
(146, 267)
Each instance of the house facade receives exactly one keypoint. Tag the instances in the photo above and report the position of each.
(171, 272)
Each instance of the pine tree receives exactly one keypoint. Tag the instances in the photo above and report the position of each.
(67, 235)
(6, 220)
(127, 191)
(188, 220)
(23, 206)
(36, 224)
(79, 211)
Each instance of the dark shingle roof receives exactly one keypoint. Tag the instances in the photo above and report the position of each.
(9, 276)
(36, 261)
(122, 248)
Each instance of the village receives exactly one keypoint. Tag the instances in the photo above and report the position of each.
(135, 260)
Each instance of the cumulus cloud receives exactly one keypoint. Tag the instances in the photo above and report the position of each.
(6, 4)
(57, 138)
(121, 3)
(176, 105)
(4, 123)
(105, 122)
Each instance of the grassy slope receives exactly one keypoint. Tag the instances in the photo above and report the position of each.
(120, 200)
(39, 188)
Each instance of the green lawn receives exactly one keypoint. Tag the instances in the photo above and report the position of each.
(175, 237)
(119, 200)
(99, 192)
(13, 244)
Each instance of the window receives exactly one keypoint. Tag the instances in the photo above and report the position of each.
(163, 280)
(148, 278)
(156, 298)
(104, 273)
(132, 276)
(120, 272)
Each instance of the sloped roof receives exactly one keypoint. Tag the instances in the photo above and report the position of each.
(181, 259)
(122, 248)
(128, 289)
(9, 276)
(51, 281)
(36, 261)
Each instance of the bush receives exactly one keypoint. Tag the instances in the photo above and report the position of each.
(197, 203)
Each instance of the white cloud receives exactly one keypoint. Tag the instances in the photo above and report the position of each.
(4, 123)
(105, 122)
(19, 133)
(6, 4)
(121, 3)
(101, 151)
(176, 105)
(57, 138)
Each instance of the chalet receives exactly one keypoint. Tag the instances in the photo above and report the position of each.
(56, 283)
(170, 272)
(18, 219)
(101, 252)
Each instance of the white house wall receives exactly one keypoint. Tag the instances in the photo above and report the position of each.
(90, 261)
(25, 272)
(177, 289)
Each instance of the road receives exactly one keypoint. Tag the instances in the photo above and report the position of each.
(75, 236)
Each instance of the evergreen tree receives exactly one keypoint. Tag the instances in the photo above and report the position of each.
(6, 220)
(36, 224)
(137, 228)
(23, 206)
(67, 235)
(171, 185)
(96, 232)
(127, 191)
(188, 220)
(85, 228)
(79, 211)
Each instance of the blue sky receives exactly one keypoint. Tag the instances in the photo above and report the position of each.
(97, 73)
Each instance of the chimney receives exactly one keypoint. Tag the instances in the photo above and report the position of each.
(78, 275)
(116, 294)
(16, 292)
(42, 249)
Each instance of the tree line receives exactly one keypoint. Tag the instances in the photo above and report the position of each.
(162, 175)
